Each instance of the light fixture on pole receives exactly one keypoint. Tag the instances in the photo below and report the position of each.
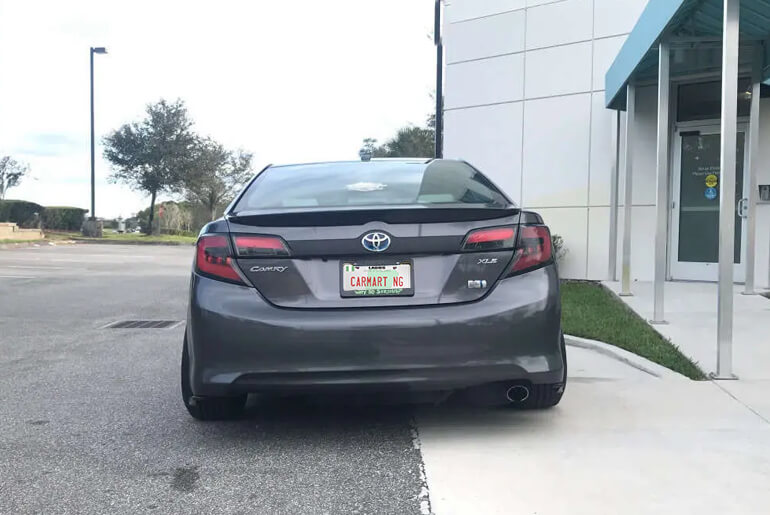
(94, 50)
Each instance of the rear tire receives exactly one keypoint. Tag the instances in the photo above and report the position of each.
(207, 408)
(544, 396)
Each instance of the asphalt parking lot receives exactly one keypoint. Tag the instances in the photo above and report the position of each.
(91, 421)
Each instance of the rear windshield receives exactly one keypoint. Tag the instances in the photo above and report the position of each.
(374, 183)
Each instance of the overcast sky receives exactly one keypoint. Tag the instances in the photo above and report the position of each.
(290, 80)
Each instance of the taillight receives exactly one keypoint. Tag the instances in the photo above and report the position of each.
(494, 238)
(213, 258)
(260, 246)
(533, 250)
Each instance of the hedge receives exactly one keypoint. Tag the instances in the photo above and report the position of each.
(63, 218)
(20, 212)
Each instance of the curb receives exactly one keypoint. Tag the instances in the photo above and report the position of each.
(118, 242)
(36, 243)
(624, 356)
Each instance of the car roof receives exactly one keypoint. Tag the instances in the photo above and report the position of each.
(406, 160)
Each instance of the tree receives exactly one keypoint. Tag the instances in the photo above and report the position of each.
(154, 154)
(371, 148)
(216, 176)
(11, 173)
(176, 216)
(409, 141)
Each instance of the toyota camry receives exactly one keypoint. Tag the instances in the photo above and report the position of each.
(380, 275)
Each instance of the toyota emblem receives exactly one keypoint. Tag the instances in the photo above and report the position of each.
(376, 241)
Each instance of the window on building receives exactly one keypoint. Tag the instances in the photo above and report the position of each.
(703, 101)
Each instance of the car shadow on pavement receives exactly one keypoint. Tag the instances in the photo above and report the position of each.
(326, 411)
(319, 416)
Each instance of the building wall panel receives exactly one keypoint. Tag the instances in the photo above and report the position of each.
(489, 81)
(559, 70)
(490, 139)
(458, 10)
(556, 146)
(559, 23)
(613, 17)
(485, 37)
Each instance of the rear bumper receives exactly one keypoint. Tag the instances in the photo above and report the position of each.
(238, 342)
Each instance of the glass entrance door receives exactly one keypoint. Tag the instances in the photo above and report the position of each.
(695, 217)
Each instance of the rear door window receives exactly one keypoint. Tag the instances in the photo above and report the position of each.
(374, 183)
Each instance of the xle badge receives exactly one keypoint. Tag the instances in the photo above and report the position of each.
(477, 284)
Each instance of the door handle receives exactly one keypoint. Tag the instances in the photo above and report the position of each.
(743, 208)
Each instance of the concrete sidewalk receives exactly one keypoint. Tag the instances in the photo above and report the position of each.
(621, 441)
(691, 313)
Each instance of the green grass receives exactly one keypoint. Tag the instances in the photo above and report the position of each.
(591, 311)
(137, 237)
(132, 237)
(21, 241)
(59, 236)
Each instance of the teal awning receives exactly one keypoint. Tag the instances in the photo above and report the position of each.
(682, 21)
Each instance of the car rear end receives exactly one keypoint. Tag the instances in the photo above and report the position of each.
(412, 275)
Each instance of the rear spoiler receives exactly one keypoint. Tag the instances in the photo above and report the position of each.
(320, 217)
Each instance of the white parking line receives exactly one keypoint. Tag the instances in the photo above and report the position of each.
(109, 259)
(35, 267)
(17, 277)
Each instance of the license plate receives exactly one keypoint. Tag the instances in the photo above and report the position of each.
(369, 280)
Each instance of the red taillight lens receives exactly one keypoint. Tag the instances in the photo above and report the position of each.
(490, 239)
(260, 246)
(213, 258)
(534, 248)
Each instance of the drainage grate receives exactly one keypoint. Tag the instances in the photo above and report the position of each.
(142, 324)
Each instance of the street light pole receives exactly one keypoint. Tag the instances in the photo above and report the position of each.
(94, 50)
(439, 121)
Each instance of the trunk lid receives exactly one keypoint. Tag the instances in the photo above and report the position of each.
(429, 239)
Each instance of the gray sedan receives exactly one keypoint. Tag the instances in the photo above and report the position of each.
(391, 275)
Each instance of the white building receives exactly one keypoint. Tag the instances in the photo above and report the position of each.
(525, 102)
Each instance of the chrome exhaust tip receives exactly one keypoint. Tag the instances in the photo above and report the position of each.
(517, 393)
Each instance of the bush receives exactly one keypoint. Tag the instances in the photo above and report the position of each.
(559, 250)
(63, 218)
(20, 212)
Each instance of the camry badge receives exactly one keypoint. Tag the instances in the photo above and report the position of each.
(268, 268)
(376, 241)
